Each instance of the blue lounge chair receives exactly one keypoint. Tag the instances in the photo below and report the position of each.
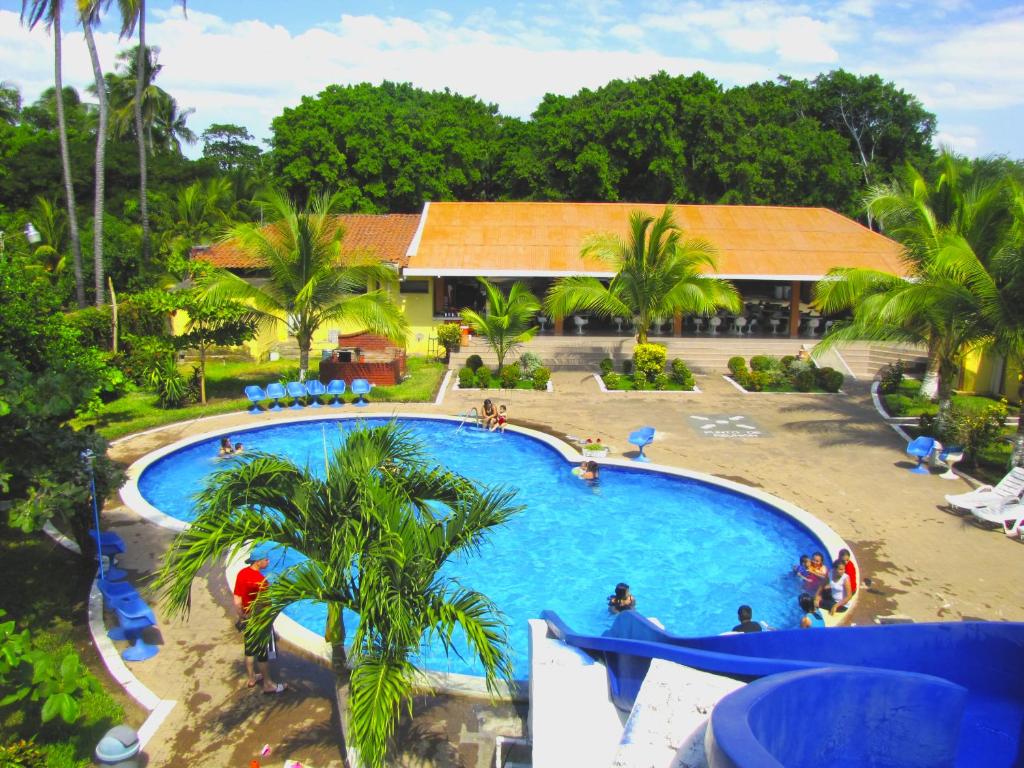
(296, 391)
(255, 395)
(921, 448)
(336, 388)
(275, 392)
(314, 389)
(360, 388)
(641, 438)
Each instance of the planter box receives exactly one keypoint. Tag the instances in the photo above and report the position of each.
(736, 384)
(456, 388)
(595, 452)
(603, 388)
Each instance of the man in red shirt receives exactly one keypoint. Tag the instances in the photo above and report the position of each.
(248, 584)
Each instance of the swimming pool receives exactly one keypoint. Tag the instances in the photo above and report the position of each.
(691, 550)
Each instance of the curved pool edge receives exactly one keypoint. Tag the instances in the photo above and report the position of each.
(313, 645)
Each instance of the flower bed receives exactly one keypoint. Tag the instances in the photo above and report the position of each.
(529, 374)
(648, 371)
(786, 374)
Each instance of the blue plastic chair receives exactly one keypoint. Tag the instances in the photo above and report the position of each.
(314, 389)
(255, 395)
(921, 448)
(641, 438)
(275, 392)
(296, 391)
(336, 388)
(360, 388)
(133, 616)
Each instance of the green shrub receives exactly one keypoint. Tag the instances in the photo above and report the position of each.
(142, 355)
(892, 377)
(467, 379)
(742, 378)
(648, 361)
(22, 754)
(681, 374)
(173, 390)
(627, 366)
(736, 365)
(474, 362)
(483, 377)
(804, 380)
(974, 431)
(829, 379)
(93, 323)
(757, 381)
(786, 361)
(509, 376)
(541, 377)
(612, 380)
(660, 380)
(449, 336)
(607, 366)
(763, 363)
(529, 362)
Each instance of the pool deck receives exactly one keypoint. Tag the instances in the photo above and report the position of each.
(830, 454)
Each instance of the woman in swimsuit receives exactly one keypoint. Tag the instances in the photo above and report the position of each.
(622, 600)
(489, 415)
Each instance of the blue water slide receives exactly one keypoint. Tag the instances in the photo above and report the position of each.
(984, 658)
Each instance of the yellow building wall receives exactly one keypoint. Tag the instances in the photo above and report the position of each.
(979, 371)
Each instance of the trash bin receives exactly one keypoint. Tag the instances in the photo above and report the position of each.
(118, 747)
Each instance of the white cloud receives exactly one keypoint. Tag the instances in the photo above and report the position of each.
(961, 139)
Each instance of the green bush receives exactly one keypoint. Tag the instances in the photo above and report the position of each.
(829, 379)
(22, 754)
(529, 362)
(737, 365)
(804, 380)
(892, 377)
(648, 361)
(974, 431)
(94, 325)
(173, 390)
(612, 380)
(757, 381)
(681, 374)
(449, 336)
(475, 362)
(786, 361)
(607, 366)
(660, 380)
(764, 363)
(483, 377)
(141, 355)
(541, 377)
(627, 366)
(509, 376)
(467, 379)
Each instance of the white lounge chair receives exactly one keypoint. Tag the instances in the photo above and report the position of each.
(1010, 487)
(1001, 513)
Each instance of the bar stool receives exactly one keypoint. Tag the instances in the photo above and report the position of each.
(714, 322)
(618, 324)
(543, 320)
(698, 324)
(656, 325)
(580, 322)
(738, 324)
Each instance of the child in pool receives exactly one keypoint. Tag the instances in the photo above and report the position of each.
(622, 600)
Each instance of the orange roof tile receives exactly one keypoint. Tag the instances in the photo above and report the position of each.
(386, 235)
(544, 239)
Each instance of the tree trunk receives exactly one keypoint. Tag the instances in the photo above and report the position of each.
(202, 374)
(65, 159)
(101, 150)
(946, 373)
(930, 381)
(304, 345)
(141, 62)
(335, 636)
(113, 317)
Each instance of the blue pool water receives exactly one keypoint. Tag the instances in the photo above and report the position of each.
(691, 552)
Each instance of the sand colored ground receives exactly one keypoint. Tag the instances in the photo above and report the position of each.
(832, 455)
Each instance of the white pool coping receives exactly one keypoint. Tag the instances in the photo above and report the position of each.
(313, 644)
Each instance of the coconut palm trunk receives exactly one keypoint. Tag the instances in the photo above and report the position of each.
(88, 11)
(141, 64)
(65, 157)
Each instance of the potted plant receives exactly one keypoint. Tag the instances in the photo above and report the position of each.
(594, 449)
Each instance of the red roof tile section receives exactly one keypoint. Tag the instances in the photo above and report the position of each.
(387, 235)
(545, 238)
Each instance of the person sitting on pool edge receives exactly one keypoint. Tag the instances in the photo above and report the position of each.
(850, 568)
(835, 593)
(489, 415)
(746, 615)
(501, 419)
(622, 600)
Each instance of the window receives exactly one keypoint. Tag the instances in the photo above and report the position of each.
(414, 286)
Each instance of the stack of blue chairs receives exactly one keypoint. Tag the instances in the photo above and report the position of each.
(313, 390)
(133, 614)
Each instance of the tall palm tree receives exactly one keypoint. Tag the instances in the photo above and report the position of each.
(508, 321)
(374, 540)
(32, 12)
(658, 274)
(310, 280)
(89, 16)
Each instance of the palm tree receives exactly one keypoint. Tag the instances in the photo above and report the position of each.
(374, 541)
(657, 274)
(89, 15)
(508, 321)
(310, 281)
(32, 12)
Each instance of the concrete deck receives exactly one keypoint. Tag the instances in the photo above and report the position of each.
(831, 455)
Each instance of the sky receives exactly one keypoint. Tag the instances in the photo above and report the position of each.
(244, 62)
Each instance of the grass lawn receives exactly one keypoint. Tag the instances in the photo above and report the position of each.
(46, 593)
(624, 382)
(907, 401)
(225, 381)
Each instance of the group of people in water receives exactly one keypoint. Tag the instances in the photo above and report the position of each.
(227, 449)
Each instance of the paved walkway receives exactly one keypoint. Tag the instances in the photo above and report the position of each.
(832, 455)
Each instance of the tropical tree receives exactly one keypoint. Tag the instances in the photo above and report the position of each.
(311, 281)
(89, 16)
(508, 321)
(375, 532)
(32, 12)
(658, 274)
